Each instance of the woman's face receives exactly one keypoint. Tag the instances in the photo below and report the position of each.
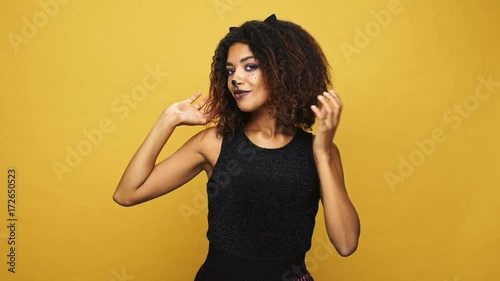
(245, 79)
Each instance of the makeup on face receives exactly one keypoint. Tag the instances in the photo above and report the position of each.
(240, 87)
(235, 79)
(245, 80)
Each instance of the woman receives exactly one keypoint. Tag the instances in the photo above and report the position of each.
(266, 174)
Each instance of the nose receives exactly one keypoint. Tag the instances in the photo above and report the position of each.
(237, 78)
(235, 82)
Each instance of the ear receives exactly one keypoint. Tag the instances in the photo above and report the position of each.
(272, 19)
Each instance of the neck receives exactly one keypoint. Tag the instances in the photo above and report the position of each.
(263, 122)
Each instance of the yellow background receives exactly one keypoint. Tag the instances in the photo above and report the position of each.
(406, 80)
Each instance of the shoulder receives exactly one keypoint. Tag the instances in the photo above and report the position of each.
(208, 143)
(207, 137)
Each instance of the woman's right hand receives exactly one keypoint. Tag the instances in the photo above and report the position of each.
(188, 113)
(144, 179)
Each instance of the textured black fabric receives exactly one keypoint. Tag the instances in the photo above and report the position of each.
(263, 202)
(221, 266)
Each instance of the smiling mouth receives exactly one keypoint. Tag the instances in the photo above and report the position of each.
(238, 94)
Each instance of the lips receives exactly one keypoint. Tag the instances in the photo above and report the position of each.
(238, 94)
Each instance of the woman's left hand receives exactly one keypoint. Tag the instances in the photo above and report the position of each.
(328, 115)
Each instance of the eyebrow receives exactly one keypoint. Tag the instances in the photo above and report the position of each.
(242, 60)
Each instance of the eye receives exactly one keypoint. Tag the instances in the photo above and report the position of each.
(251, 67)
(229, 71)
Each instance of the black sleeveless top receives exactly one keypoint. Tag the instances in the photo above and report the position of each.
(263, 202)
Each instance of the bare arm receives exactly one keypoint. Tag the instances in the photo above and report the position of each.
(341, 218)
(143, 179)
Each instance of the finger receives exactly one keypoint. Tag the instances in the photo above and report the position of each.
(324, 103)
(202, 102)
(336, 97)
(207, 116)
(205, 113)
(337, 104)
(328, 96)
(334, 115)
(333, 100)
(194, 97)
(317, 112)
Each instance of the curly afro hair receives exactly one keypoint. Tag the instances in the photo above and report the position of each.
(294, 67)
